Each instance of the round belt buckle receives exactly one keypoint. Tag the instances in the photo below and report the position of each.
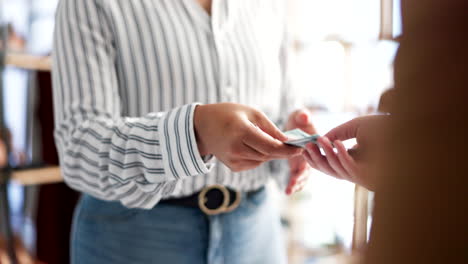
(224, 207)
(235, 204)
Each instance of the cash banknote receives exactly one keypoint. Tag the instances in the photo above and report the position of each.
(300, 138)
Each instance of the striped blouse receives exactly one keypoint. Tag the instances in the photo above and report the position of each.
(127, 76)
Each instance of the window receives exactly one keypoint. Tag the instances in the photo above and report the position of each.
(344, 52)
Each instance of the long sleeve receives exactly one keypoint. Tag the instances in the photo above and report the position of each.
(134, 160)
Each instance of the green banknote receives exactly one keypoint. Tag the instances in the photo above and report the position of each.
(300, 138)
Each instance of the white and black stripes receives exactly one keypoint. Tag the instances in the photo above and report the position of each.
(127, 75)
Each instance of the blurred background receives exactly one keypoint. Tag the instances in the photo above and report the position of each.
(343, 54)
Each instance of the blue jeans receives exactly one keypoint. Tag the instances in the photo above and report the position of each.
(107, 232)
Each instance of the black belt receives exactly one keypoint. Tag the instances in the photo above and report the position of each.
(212, 199)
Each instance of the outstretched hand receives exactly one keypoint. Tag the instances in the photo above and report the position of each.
(346, 164)
(239, 136)
(299, 170)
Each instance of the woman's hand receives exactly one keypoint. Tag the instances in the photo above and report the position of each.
(299, 170)
(239, 136)
(346, 164)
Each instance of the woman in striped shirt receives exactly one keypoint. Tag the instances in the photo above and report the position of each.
(156, 108)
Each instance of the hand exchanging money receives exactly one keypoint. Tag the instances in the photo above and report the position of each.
(351, 165)
(299, 169)
(239, 136)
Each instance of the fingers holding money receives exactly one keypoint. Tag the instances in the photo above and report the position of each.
(338, 164)
(258, 147)
(239, 136)
(268, 127)
(263, 143)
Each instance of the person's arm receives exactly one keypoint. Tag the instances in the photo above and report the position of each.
(137, 160)
(134, 160)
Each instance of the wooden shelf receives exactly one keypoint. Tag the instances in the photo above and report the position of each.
(46, 175)
(29, 62)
